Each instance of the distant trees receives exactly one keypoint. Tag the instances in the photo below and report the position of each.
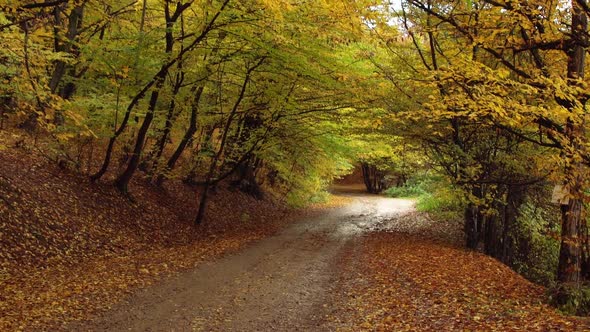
(373, 177)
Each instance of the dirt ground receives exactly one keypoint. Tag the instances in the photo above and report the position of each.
(283, 283)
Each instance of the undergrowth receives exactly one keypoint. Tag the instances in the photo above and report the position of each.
(433, 195)
(536, 244)
(571, 299)
(535, 247)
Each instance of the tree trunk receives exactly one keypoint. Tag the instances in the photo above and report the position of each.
(470, 227)
(570, 251)
(246, 181)
(188, 135)
(172, 106)
(373, 178)
(217, 157)
(169, 118)
(491, 235)
(514, 199)
(474, 221)
(202, 205)
(204, 139)
(122, 181)
(134, 102)
(585, 265)
(154, 156)
(74, 23)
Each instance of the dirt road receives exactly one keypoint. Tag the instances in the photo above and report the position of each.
(282, 283)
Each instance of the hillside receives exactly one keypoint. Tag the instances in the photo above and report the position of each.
(70, 248)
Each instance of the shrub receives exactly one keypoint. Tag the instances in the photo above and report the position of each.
(319, 197)
(416, 186)
(405, 191)
(536, 253)
(434, 195)
(443, 203)
(571, 299)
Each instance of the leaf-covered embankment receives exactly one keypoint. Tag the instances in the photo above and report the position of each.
(70, 248)
(400, 281)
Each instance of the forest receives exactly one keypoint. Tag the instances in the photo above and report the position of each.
(200, 124)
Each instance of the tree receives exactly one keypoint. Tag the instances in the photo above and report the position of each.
(514, 65)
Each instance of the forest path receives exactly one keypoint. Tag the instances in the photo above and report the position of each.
(282, 283)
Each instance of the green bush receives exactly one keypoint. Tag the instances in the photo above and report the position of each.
(319, 197)
(571, 299)
(405, 191)
(536, 253)
(433, 194)
(443, 203)
(416, 186)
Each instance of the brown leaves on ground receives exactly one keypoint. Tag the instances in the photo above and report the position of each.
(69, 249)
(50, 297)
(403, 282)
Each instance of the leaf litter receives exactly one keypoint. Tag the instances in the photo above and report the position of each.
(414, 275)
(70, 249)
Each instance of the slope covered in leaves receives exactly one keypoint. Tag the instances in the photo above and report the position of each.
(69, 248)
(415, 282)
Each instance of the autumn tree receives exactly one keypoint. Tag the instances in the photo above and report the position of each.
(522, 77)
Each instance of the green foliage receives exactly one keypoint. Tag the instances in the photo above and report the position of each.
(319, 197)
(305, 169)
(442, 202)
(433, 193)
(420, 182)
(536, 243)
(405, 191)
(571, 299)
